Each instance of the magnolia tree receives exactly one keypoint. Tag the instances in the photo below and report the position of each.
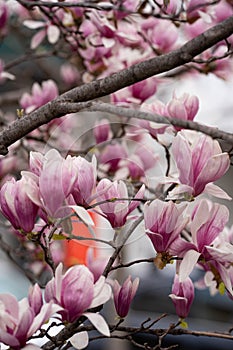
(143, 169)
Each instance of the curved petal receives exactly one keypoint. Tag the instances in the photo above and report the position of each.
(214, 168)
(187, 264)
(31, 347)
(33, 24)
(216, 191)
(182, 154)
(53, 34)
(8, 339)
(99, 322)
(79, 340)
(139, 195)
(83, 214)
(37, 39)
(46, 312)
(58, 281)
(102, 295)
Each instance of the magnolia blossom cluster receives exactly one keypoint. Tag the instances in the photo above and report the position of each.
(57, 130)
(118, 159)
(108, 40)
(49, 172)
(201, 245)
(200, 161)
(67, 297)
(40, 95)
(116, 156)
(132, 156)
(19, 320)
(184, 107)
(54, 186)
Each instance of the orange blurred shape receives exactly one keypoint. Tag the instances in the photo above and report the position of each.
(76, 250)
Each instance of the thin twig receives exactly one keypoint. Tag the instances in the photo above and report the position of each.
(149, 260)
(119, 248)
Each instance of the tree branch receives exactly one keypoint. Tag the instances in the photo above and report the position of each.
(71, 329)
(215, 133)
(98, 106)
(115, 82)
(31, 4)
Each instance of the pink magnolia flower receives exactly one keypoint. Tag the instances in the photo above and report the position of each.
(104, 27)
(116, 211)
(20, 320)
(182, 296)
(136, 93)
(102, 31)
(219, 274)
(56, 181)
(221, 67)
(221, 248)
(147, 156)
(162, 36)
(124, 57)
(142, 159)
(199, 160)
(97, 45)
(62, 182)
(77, 284)
(123, 295)
(184, 107)
(196, 9)
(111, 156)
(85, 182)
(208, 220)
(164, 222)
(102, 131)
(157, 107)
(94, 58)
(40, 95)
(16, 204)
(128, 37)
